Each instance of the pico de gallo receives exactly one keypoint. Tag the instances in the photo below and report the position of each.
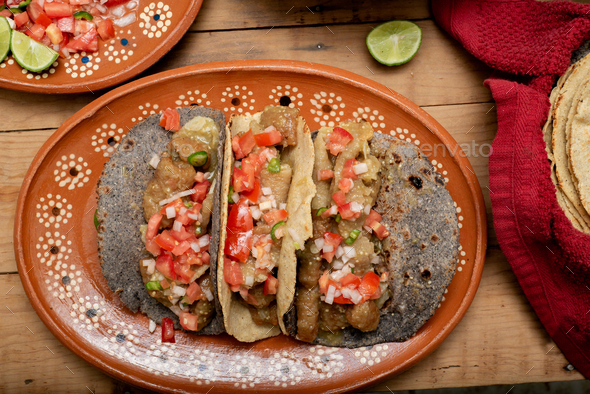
(178, 204)
(342, 280)
(69, 26)
(258, 214)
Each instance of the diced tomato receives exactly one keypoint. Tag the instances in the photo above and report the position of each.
(166, 241)
(21, 19)
(270, 136)
(253, 161)
(325, 174)
(374, 216)
(205, 257)
(188, 321)
(273, 217)
(332, 240)
(345, 184)
(82, 26)
(153, 226)
(6, 13)
(201, 190)
(249, 166)
(183, 272)
(45, 41)
(181, 235)
(239, 231)
(324, 282)
(348, 170)
(339, 198)
(168, 330)
(181, 248)
(239, 180)
(249, 298)
(112, 3)
(153, 247)
(165, 265)
(346, 212)
(62, 51)
(379, 230)
(376, 294)
(165, 284)
(339, 138)
(44, 20)
(194, 293)
(86, 42)
(369, 285)
(34, 10)
(253, 194)
(351, 281)
(170, 120)
(232, 272)
(176, 204)
(36, 32)
(243, 145)
(200, 177)
(271, 285)
(79, 2)
(66, 25)
(57, 10)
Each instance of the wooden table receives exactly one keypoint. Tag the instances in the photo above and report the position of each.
(499, 341)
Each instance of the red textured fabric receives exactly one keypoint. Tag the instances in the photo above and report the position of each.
(533, 41)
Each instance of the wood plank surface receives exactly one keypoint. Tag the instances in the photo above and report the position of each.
(498, 342)
(441, 73)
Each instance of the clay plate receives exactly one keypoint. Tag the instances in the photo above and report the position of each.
(54, 233)
(159, 26)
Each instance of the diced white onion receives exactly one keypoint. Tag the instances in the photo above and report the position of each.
(131, 5)
(182, 210)
(145, 263)
(314, 249)
(274, 204)
(101, 8)
(267, 191)
(175, 308)
(337, 293)
(151, 267)
(177, 196)
(349, 251)
(375, 259)
(247, 184)
(333, 210)
(346, 292)
(360, 168)
(126, 20)
(249, 281)
(296, 237)
(208, 293)
(330, 294)
(356, 207)
(154, 161)
(254, 251)
(177, 226)
(339, 251)
(328, 248)
(204, 240)
(195, 246)
(179, 291)
(282, 205)
(235, 197)
(193, 216)
(152, 327)
(269, 129)
(345, 258)
(11, 23)
(255, 211)
(337, 264)
(355, 296)
(319, 242)
(118, 11)
(367, 209)
(265, 206)
(170, 212)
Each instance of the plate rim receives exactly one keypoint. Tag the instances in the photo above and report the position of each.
(298, 67)
(125, 74)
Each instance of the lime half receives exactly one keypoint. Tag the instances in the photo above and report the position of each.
(394, 43)
(5, 32)
(30, 54)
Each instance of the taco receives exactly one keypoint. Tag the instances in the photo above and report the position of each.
(384, 245)
(158, 236)
(267, 190)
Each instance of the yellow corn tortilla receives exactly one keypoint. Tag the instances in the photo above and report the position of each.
(579, 143)
(237, 318)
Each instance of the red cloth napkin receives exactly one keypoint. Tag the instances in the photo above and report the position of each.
(533, 42)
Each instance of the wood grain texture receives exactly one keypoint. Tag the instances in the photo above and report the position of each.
(251, 14)
(441, 73)
(498, 342)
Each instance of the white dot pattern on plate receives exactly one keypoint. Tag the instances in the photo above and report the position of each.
(155, 19)
(145, 110)
(71, 171)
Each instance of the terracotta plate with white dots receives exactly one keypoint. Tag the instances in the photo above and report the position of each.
(55, 235)
(159, 25)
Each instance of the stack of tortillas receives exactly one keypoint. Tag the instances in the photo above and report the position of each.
(567, 139)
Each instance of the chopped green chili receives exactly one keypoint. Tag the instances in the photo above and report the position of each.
(153, 285)
(320, 211)
(354, 234)
(83, 15)
(198, 159)
(274, 229)
(274, 166)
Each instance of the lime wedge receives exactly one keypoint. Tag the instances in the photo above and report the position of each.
(5, 32)
(394, 43)
(30, 54)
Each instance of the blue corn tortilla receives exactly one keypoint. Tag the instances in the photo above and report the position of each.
(120, 214)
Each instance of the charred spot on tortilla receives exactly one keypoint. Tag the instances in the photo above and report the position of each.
(416, 181)
(120, 215)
